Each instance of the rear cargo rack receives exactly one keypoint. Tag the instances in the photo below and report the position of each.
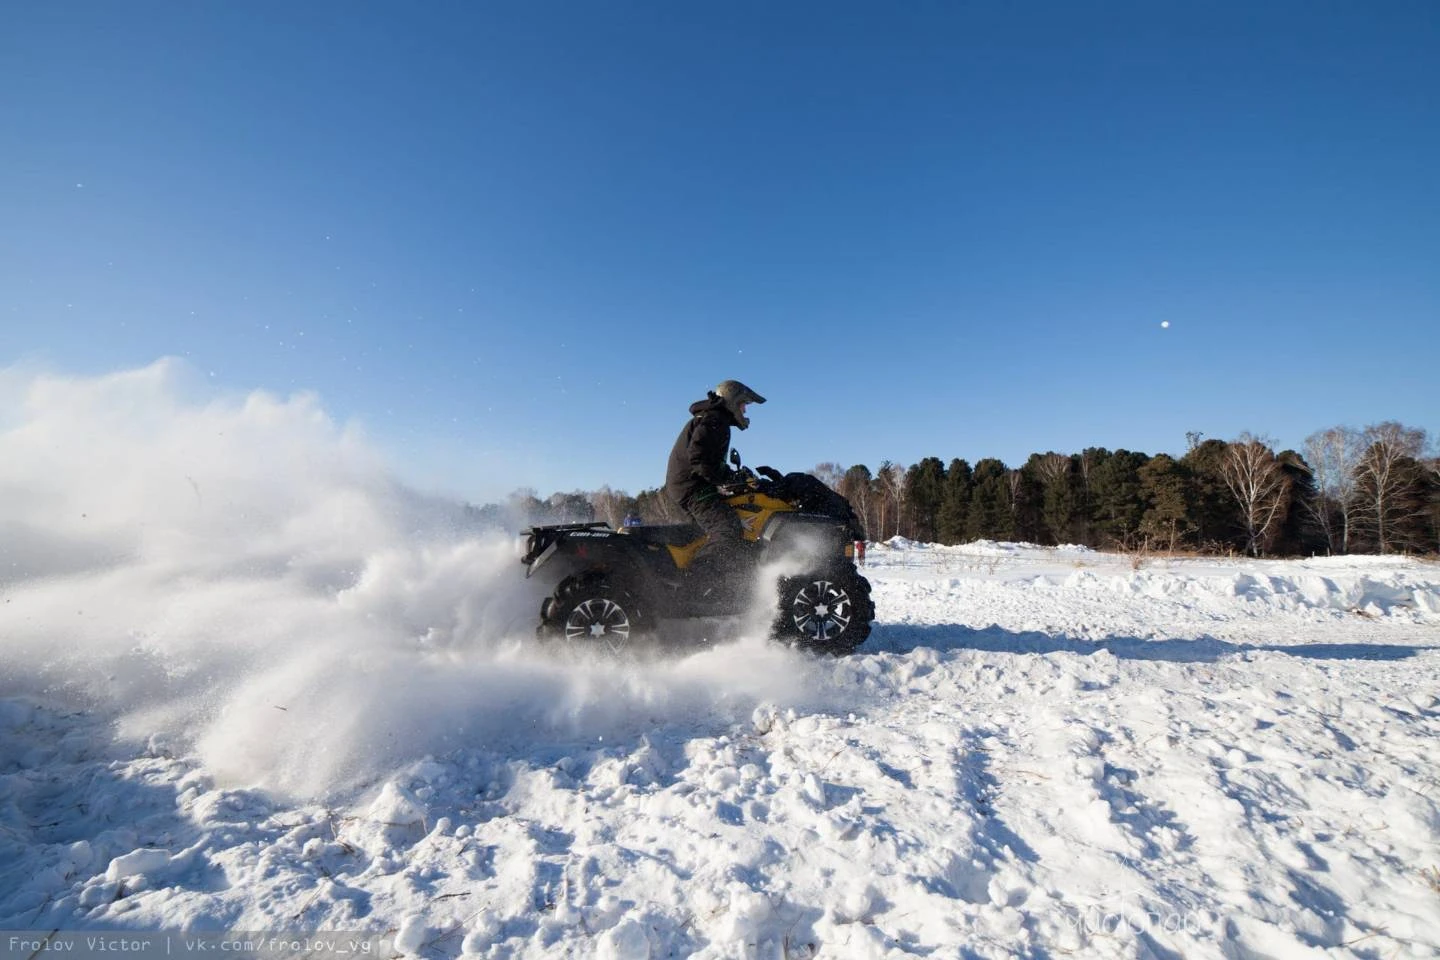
(543, 540)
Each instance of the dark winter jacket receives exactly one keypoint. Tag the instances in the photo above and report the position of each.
(697, 462)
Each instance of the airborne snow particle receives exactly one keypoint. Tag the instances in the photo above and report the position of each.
(1165, 324)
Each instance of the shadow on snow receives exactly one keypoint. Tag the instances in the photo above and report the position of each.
(901, 638)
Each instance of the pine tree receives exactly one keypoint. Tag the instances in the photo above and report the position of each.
(1059, 496)
(1431, 490)
(1085, 463)
(1117, 505)
(990, 515)
(924, 492)
(1299, 534)
(1165, 486)
(955, 506)
(1026, 501)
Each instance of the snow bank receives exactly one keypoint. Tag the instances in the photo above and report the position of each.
(1016, 575)
(1397, 596)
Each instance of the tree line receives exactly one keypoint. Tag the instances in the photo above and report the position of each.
(1370, 490)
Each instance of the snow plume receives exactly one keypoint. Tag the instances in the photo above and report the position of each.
(242, 577)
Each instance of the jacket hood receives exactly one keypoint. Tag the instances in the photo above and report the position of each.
(711, 402)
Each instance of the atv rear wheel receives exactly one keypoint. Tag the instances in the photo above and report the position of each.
(588, 610)
(828, 613)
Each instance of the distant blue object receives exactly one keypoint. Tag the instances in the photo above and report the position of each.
(632, 520)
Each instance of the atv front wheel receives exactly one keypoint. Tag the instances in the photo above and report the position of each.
(828, 614)
(588, 610)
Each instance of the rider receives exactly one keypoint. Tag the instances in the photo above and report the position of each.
(697, 468)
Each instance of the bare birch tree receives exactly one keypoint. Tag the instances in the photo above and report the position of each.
(608, 506)
(891, 480)
(1054, 468)
(1260, 486)
(830, 474)
(855, 487)
(1014, 487)
(1333, 456)
(1386, 480)
(1087, 465)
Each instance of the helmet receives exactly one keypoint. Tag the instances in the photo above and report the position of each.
(736, 394)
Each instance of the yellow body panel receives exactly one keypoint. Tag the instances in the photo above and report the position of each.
(754, 509)
(683, 555)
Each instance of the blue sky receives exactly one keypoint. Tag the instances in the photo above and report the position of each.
(515, 240)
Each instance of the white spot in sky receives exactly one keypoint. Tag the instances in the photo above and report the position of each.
(1165, 324)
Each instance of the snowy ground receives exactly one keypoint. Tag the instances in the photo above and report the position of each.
(1040, 752)
(249, 684)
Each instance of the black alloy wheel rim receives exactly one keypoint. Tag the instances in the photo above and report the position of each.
(821, 611)
(598, 620)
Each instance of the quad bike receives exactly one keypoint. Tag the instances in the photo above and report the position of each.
(612, 587)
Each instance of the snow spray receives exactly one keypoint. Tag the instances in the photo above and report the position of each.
(243, 578)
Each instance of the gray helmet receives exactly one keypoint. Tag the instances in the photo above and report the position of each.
(735, 393)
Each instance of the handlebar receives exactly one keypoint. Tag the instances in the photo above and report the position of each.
(747, 480)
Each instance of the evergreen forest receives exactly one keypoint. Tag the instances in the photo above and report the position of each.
(1371, 490)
